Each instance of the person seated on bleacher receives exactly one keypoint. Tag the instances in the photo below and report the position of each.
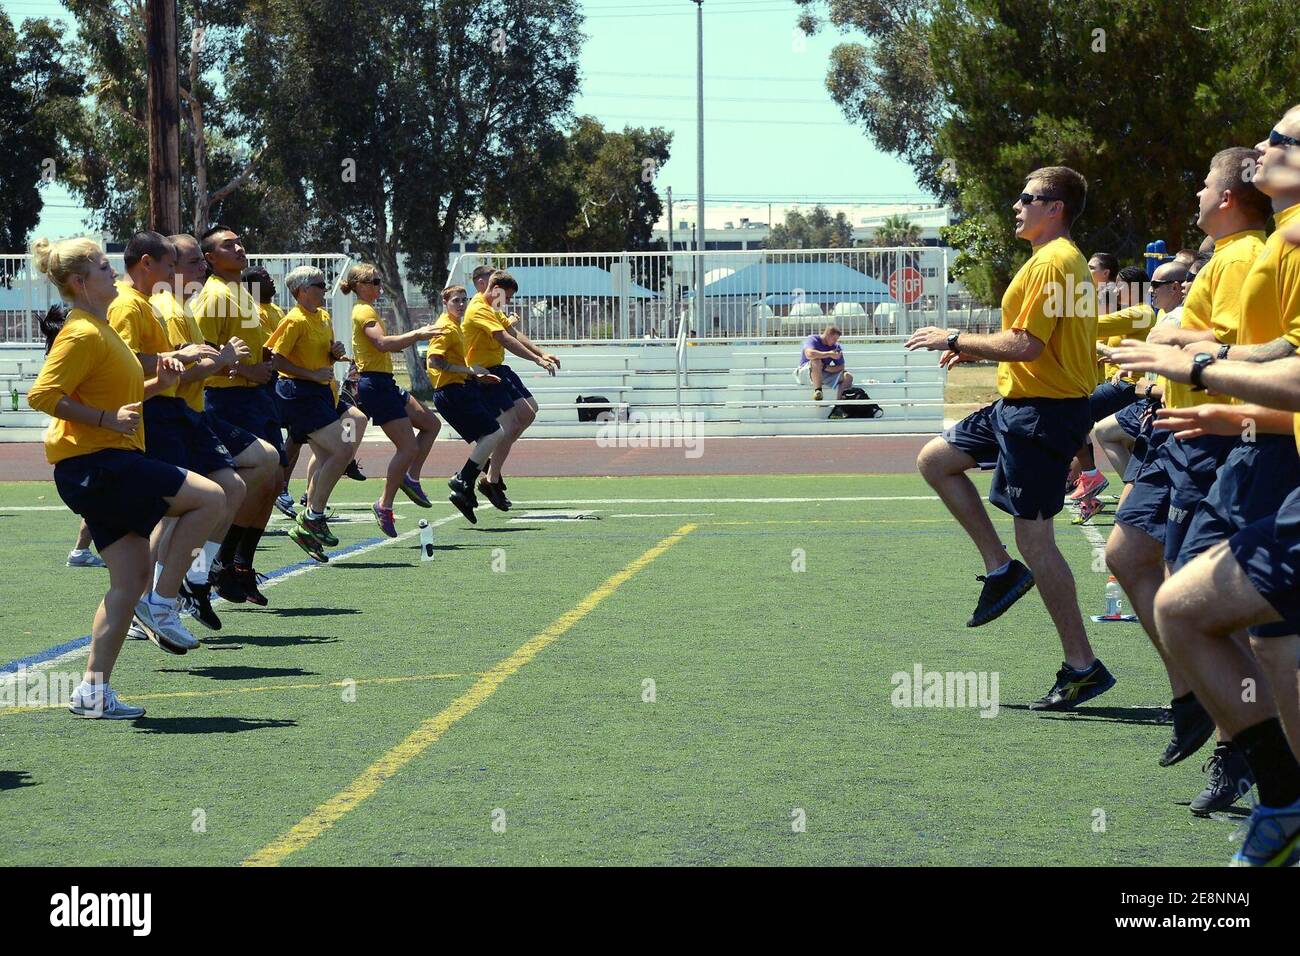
(821, 364)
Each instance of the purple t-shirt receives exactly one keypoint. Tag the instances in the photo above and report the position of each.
(815, 343)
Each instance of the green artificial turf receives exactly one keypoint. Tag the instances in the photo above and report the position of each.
(771, 738)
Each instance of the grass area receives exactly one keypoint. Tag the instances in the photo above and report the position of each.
(969, 387)
(772, 696)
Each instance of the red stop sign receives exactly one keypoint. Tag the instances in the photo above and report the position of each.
(906, 285)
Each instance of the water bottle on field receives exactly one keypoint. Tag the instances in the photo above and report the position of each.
(1114, 599)
(426, 541)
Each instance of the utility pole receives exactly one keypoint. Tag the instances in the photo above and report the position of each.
(699, 161)
(164, 117)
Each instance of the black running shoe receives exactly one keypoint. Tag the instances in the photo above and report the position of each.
(198, 599)
(494, 493)
(1193, 726)
(1001, 590)
(354, 471)
(462, 496)
(1073, 687)
(1230, 780)
(222, 580)
(247, 579)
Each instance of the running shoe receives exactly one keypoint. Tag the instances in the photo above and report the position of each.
(1073, 687)
(248, 579)
(85, 559)
(494, 494)
(104, 705)
(1193, 726)
(411, 486)
(1002, 588)
(354, 471)
(462, 496)
(222, 580)
(284, 504)
(384, 518)
(1089, 508)
(164, 627)
(308, 542)
(197, 600)
(817, 394)
(1230, 780)
(1089, 487)
(319, 528)
(1272, 837)
(135, 632)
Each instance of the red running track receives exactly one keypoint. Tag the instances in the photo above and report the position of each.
(565, 457)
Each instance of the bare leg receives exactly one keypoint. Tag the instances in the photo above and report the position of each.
(1195, 624)
(944, 469)
(196, 507)
(1115, 443)
(83, 537)
(402, 436)
(523, 415)
(331, 454)
(1138, 562)
(1036, 539)
(129, 573)
(846, 382)
(1278, 657)
(427, 425)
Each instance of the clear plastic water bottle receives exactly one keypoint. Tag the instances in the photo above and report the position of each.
(1114, 599)
(426, 541)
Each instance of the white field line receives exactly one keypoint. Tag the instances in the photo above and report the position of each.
(81, 652)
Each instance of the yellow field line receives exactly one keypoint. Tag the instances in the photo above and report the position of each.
(428, 733)
(255, 689)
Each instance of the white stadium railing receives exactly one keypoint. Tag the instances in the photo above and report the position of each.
(631, 328)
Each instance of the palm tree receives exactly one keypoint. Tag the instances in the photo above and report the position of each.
(897, 230)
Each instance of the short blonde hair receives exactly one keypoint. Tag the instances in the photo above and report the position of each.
(60, 261)
(357, 274)
(302, 276)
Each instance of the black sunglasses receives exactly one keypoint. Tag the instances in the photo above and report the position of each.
(1277, 139)
(1028, 199)
(317, 285)
(1157, 283)
(374, 281)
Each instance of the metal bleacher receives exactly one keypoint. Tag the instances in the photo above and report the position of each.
(19, 364)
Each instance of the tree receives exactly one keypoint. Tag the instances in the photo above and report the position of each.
(897, 230)
(585, 190)
(38, 108)
(816, 230)
(220, 150)
(393, 138)
(974, 95)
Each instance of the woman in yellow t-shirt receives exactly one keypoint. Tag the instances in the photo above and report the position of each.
(93, 385)
(410, 426)
(304, 353)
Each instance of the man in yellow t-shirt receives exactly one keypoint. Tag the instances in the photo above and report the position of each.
(1255, 505)
(1046, 355)
(489, 333)
(459, 398)
(1153, 517)
(225, 310)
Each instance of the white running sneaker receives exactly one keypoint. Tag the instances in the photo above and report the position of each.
(135, 632)
(164, 627)
(85, 559)
(102, 706)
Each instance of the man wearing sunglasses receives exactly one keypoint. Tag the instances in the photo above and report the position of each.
(1046, 355)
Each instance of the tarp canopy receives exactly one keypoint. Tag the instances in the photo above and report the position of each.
(554, 282)
(781, 283)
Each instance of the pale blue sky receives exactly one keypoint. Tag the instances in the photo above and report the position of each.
(772, 132)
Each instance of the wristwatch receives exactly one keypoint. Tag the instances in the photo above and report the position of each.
(1223, 351)
(1200, 363)
(952, 342)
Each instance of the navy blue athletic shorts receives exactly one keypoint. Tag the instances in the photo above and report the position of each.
(306, 406)
(379, 397)
(464, 407)
(1029, 443)
(1109, 399)
(1269, 552)
(180, 436)
(1192, 467)
(511, 381)
(249, 408)
(118, 492)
